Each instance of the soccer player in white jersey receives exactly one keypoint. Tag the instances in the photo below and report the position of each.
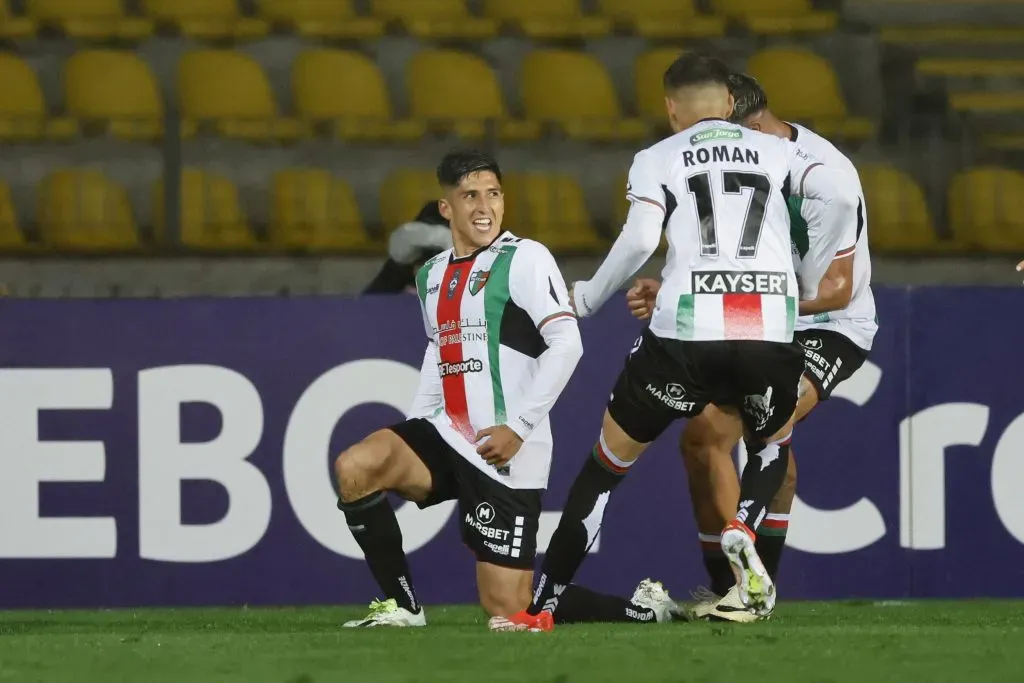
(502, 342)
(721, 333)
(835, 331)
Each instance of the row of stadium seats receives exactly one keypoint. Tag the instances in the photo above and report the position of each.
(210, 19)
(342, 93)
(83, 210)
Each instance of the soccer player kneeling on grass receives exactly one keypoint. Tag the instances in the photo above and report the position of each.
(502, 343)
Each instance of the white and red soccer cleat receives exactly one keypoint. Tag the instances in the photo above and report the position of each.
(523, 621)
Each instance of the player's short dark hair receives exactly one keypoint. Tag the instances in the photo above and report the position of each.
(695, 68)
(749, 95)
(458, 164)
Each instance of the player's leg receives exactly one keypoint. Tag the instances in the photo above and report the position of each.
(386, 461)
(706, 444)
(771, 534)
(503, 590)
(643, 404)
(765, 381)
(649, 604)
(830, 358)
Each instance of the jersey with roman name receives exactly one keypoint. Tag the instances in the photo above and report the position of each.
(858, 321)
(729, 273)
(484, 313)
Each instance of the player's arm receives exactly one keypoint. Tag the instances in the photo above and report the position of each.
(639, 238)
(428, 395)
(836, 288)
(831, 230)
(536, 286)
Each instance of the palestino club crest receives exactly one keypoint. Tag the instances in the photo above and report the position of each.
(477, 281)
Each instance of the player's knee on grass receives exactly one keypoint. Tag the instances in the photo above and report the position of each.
(503, 591)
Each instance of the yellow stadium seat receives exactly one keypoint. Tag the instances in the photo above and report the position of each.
(988, 102)
(230, 91)
(14, 26)
(648, 72)
(897, 214)
(346, 91)
(320, 19)
(403, 194)
(958, 68)
(436, 81)
(986, 208)
(777, 17)
(91, 19)
(206, 19)
(115, 89)
(22, 108)
(939, 34)
(313, 211)
(84, 210)
(573, 90)
(435, 18)
(548, 18)
(211, 215)
(11, 237)
(549, 208)
(802, 86)
(663, 18)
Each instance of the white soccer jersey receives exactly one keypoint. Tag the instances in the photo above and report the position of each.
(730, 272)
(490, 317)
(858, 321)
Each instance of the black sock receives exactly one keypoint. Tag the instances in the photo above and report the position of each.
(762, 478)
(771, 540)
(373, 523)
(579, 605)
(569, 544)
(717, 565)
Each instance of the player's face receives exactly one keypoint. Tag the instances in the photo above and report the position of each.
(474, 209)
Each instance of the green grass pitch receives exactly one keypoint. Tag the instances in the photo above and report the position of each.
(862, 642)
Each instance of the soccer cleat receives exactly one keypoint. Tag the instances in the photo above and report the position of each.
(388, 613)
(653, 596)
(705, 600)
(523, 621)
(731, 608)
(755, 587)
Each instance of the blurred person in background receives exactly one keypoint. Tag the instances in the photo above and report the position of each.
(409, 247)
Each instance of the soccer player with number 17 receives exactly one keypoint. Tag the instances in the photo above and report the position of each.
(721, 332)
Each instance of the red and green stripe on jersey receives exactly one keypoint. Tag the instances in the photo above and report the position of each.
(735, 316)
(449, 316)
(462, 279)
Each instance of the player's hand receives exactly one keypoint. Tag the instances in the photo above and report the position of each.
(642, 296)
(572, 299)
(500, 446)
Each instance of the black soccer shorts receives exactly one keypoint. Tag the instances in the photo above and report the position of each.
(666, 379)
(829, 358)
(499, 524)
